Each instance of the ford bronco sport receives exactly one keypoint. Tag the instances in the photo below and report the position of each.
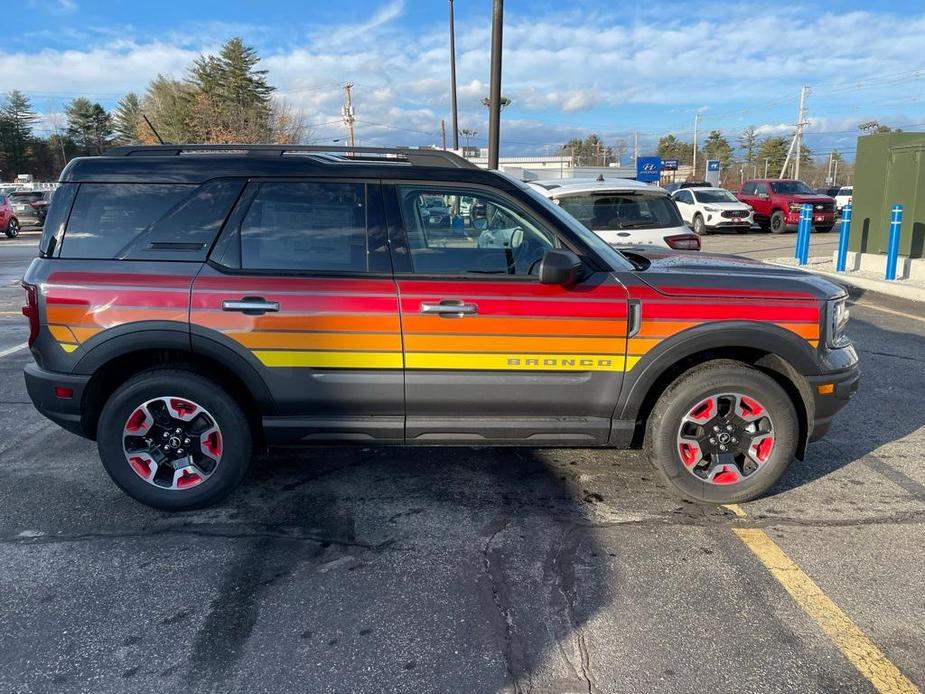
(194, 303)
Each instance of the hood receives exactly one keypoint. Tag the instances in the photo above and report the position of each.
(728, 205)
(810, 198)
(679, 273)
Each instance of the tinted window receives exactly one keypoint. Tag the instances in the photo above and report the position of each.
(107, 216)
(606, 211)
(306, 227)
(456, 231)
(791, 188)
(58, 210)
(187, 231)
(715, 195)
(761, 188)
(25, 197)
(684, 196)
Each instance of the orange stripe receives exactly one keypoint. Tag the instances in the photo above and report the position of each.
(810, 331)
(641, 345)
(664, 328)
(108, 317)
(319, 322)
(61, 333)
(476, 343)
(84, 333)
(323, 341)
(513, 326)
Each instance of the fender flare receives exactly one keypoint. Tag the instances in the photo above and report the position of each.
(723, 335)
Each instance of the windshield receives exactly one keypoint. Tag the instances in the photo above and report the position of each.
(603, 211)
(845, 191)
(714, 195)
(593, 241)
(791, 188)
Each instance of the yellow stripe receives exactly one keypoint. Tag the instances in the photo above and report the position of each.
(68, 347)
(331, 360)
(851, 641)
(518, 362)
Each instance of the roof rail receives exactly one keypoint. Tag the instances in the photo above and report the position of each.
(415, 157)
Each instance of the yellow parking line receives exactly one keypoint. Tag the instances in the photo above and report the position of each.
(851, 641)
(890, 311)
(736, 509)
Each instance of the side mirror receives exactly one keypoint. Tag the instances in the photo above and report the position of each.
(560, 266)
(480, 223)
(763, 196)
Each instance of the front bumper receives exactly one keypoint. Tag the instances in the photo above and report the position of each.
(827, 405)
(825, 219)
(65, 412)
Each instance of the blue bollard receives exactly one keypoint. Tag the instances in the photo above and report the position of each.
(843, 238)
(892, 246)
(803, 233)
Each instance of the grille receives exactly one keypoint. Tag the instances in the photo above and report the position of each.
(729, 214)
(824, 207)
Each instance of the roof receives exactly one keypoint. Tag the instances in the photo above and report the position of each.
(199, 163)
(564, 186)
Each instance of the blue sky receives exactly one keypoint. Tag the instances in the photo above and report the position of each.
(570, 67)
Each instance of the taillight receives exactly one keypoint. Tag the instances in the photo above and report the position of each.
(31, 311)
(683, 242)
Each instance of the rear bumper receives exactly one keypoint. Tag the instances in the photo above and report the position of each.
(65, 412)
(827, 406)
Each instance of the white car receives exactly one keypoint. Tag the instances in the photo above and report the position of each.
(621, 211)
(709, 209)
(843, 197)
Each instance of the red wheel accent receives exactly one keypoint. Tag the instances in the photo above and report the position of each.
(764, 448)
(187, 480)
(703, 411)
(140, 467)
(726, 476)
(750, 407)
(136, 420)
(213, 443)
(689, 452)
(182, 408)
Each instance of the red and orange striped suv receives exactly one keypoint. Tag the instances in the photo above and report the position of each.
(187, 309)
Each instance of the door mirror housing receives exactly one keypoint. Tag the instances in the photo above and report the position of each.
(763, 196)
(560, 266)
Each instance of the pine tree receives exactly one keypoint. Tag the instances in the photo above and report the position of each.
(16, 119)
(748, 143)
(126, 119)
(774, 151)
(89, 125)
(715, 146)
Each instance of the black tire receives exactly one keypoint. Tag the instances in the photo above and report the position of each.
(823, 230)
(713, 378)
(700, 227)
(236, 438)
(12, 228)
(778, 222)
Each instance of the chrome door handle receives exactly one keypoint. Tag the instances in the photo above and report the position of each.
(449, 308)
(252, 305)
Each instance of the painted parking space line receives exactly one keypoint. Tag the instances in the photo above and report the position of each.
(892, 312)
(12, 350)
(854, 644)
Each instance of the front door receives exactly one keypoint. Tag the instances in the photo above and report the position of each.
(491, 355)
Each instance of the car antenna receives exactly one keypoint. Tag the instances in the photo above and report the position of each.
(159, 138)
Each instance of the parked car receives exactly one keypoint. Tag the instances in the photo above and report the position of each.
(623, 212)
(710, 209)
(41, 205)
(185, 311)
(776, 204)
(830, 191)
(843, 197)
(25, 211)
(8, 221)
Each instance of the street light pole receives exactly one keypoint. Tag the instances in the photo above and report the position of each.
(455, 114)
(494, 105)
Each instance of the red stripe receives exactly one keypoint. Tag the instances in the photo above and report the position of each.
(308, 303)
(289, 284)
(120, 297)
(692, 311)
(735, 293)
(120, 278)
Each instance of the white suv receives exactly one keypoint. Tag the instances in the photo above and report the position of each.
(621, 211)
(709, 209)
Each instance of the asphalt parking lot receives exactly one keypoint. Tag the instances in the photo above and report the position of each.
(468, 570)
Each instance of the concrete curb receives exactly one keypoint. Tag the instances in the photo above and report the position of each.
(897, 289)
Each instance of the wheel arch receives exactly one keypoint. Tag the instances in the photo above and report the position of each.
(769, 349)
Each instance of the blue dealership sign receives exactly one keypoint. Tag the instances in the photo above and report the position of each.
(648, 169)
(712, 164)
(670, 164)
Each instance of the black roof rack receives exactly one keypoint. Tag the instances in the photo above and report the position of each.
(333, 155)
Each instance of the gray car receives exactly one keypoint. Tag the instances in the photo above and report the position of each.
(23, 209)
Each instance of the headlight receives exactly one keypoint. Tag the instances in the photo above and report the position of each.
(711, 209)
(836, 322)
(795, 206)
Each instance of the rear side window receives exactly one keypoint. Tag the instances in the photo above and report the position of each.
(107, 216)
(58, 210)
(306, 227)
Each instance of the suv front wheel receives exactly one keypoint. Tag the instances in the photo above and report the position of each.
(174, 440)
(722, 433)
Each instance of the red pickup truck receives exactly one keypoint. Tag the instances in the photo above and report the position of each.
(777, 204)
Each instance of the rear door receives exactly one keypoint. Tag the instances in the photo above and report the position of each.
(492, 355)
(300, 289)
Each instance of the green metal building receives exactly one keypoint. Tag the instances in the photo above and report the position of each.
(889, 169)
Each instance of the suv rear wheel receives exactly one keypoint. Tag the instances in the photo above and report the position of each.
(174, 440)
(722, 433)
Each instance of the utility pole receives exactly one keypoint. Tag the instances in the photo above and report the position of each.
(635, 145)
(766, 162)
(797, 141)
(494, 106)
(455, 114)
(443, 133)
(835, 175)
(828, 178)
(348, 114)
(696, 124)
